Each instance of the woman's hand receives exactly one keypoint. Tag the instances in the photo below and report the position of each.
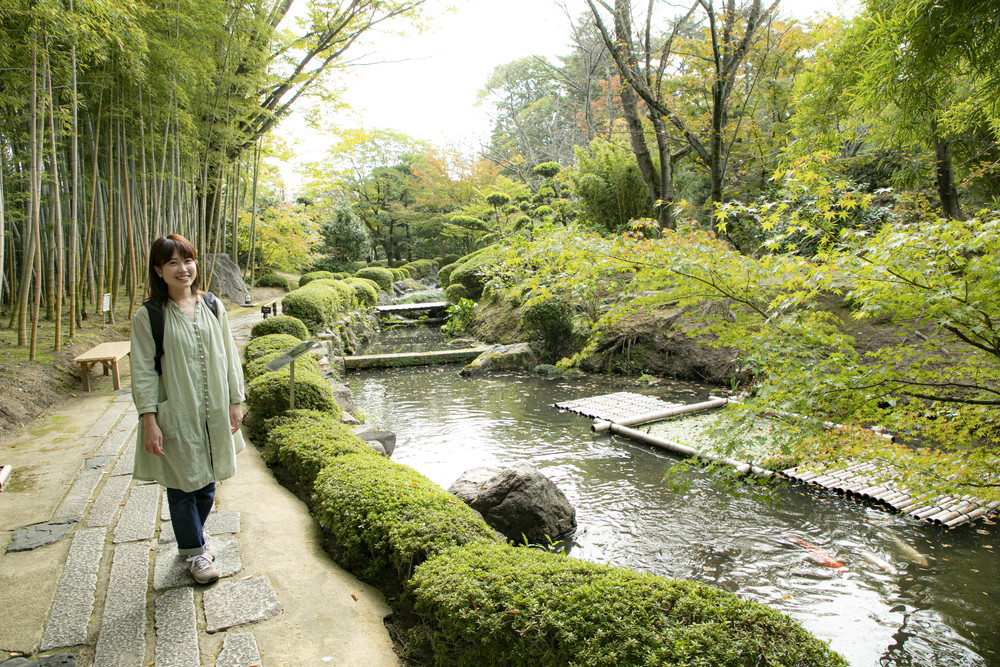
(235, 417)
(152, 437)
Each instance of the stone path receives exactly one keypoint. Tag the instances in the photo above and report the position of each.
(151, 611)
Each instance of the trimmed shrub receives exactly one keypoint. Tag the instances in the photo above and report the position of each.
(254, 368)
(444, 273)
(345, 293)
(274, 280)
(335, 265)
(316, 275)
(317, 304)
(480, 601)
(420, 268)
(286, 324)
(269, 343)
(267, 397)
(399, 274)
(305, 441)
(386, 518)
(381, 276)
(365, 291)
(550, 321)
(455, 293)
(449, 259)
(467, 272)
(379, 262)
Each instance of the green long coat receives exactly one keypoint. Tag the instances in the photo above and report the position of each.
(201, 378)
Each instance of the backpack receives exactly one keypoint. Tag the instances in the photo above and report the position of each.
(155, 310)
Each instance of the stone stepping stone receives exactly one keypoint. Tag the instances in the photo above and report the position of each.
(121, 436)
(176, 629)
(171, 570)
(108, 501)
(239, 602)
(57, 660)
(138, 519)
(95, 462)
(126, 462)
(239, 650)
(75, 502)
(102, 427)
(74, 601)
(122, 639)
(40, 534)
(220, 523)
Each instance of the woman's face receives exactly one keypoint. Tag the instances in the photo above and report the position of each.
(178, 272)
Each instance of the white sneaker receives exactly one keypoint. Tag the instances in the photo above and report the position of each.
(202, 568)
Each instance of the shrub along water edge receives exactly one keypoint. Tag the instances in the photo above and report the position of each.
(280, 324)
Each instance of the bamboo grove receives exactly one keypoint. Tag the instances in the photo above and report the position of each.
(127, 119)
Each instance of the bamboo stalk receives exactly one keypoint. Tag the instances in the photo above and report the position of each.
(684, 450)
(601, 426)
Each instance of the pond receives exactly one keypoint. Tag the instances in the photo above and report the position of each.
(910, 594)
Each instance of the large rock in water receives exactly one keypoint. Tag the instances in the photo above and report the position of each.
(516, 357)
(227, 280)
(520, 502)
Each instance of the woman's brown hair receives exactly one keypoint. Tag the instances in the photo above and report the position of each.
(161, 252)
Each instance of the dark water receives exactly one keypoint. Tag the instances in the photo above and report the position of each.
(910, 594)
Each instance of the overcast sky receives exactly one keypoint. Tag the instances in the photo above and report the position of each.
(426, 85)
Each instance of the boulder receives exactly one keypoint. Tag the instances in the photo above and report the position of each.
(516, 357)
(227, 280)
(386, 439)
(519, 501)
(342, 395)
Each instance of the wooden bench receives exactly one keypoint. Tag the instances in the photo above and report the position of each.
(107, 354)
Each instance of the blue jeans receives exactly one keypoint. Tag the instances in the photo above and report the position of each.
(188, 513)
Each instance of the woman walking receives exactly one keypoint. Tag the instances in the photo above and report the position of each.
(188, 399)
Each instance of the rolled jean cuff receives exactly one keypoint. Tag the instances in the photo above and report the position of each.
(195, 551)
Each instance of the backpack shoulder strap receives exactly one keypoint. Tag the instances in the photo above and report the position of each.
(212, 302)
(155, 310)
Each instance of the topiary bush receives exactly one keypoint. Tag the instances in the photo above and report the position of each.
(399, 274)
(455, 293)
(386, 518)
(269, 343)
(420, 268)
(317, 304)
(365, 291)
(254, 368)
(305, 441)
(307, 278)
(267, 396)
(274, 280)
(345, 293)
(444, 273)
(467, 273)
(483, 600)
(382, 277)
(448, 259)
(286, 324)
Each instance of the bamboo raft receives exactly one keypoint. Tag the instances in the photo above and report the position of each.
(864, 481)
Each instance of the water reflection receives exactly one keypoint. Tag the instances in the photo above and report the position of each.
(882, 608)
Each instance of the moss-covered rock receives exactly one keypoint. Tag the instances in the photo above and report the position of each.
(486, 603)
(380, 275)
(285, 324)
(305, 441)
(386, 518)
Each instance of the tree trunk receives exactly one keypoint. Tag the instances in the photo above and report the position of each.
(944, 173)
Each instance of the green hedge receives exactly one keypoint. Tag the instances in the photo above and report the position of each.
(482, 603)
(304, 365)
(278, 342)
(467, 271)
(267, 397)
(305, 441)
(398, 274)
(365, 291)
(318, 304)
(448, 259)
(386, 518)
(274, 280)
(285, 324)
(444, 273)
(307, 278)
(380, 275)
(455, 293)
(420, 268)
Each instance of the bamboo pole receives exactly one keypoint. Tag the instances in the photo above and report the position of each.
(601, 426)
(684, 450)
